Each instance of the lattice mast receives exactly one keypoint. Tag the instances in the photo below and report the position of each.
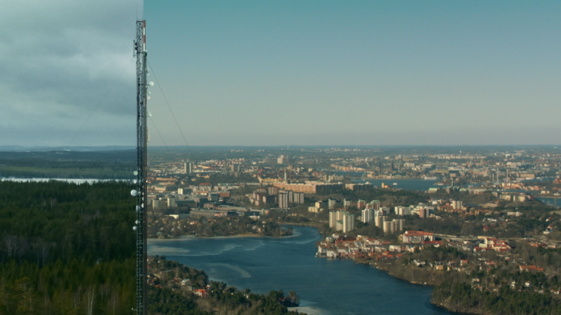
(141, 150)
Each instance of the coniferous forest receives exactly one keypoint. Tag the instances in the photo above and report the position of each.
(66, 248)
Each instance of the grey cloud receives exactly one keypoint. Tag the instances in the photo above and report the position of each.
(61, 59)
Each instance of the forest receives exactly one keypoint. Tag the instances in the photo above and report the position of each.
(66, 248)
(116, 164)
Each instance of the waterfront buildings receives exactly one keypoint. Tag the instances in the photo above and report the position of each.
(348, 223)
(341, 221)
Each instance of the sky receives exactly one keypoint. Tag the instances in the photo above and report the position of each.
(67, 72)
(283, 72)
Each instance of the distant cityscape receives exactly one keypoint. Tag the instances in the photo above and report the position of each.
(282, 181)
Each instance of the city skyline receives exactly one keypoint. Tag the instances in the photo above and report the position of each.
(313, 73)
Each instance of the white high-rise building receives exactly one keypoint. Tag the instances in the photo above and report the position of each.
(290, 196)
(457, 204)
(348, 222)
(400, 210)
(332, 219)
(341, 221)
(379, 220)
(188, 168)
(341, 214)
(387, 226)
(298, 197)
(155, 204)
(367, 215)
(171, 202)
(400, 224)
(283, 199)
(283, 159)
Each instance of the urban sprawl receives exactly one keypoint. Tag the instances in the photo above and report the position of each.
(477, 212)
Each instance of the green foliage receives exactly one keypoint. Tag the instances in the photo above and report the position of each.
(447, 226)
(165, 301)
(43, 222)
(369, 230)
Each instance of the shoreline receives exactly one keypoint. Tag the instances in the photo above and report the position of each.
(183, 237)
(389, 273)
(308, 310)
(387, 268)
(314, 309)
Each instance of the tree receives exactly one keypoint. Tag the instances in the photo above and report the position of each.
(293, 298)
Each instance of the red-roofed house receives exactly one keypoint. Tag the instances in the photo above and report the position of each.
(201, 292)
(530, 268)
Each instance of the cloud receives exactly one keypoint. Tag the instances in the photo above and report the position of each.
(65, 63)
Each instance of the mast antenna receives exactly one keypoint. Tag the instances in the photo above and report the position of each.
(141, 171)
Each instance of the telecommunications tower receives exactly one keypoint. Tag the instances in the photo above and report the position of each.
(141, 170)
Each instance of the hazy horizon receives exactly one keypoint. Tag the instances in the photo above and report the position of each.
(256, 73)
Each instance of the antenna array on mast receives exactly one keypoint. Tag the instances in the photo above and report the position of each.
(141, 172)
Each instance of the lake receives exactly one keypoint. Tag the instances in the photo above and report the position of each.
(406, 184)
(326, 287)
(77, 181)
